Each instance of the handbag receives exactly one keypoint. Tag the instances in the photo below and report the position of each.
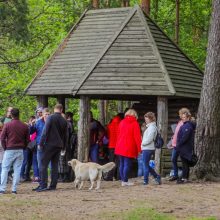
(32, 145)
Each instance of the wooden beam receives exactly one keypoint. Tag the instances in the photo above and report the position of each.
(162, 125)
(42, 101)
(61, 100)
(102, 111)
(83, 129)
(145, 5)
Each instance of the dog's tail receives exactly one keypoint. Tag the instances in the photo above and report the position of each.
(107, 167)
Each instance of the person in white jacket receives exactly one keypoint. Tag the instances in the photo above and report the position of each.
(148, 147)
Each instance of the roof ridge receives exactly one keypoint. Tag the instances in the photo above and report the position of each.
(157, 53)
(102, 53)
(56, 51)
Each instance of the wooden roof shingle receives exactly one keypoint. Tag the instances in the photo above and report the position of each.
(120, 52)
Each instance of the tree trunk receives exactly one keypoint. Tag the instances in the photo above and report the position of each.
(156, 7)
(145, 5)
(95, 4)
(177, 22)
(207, 140)
(125, 3)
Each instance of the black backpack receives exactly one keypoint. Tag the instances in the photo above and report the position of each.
(158, 142)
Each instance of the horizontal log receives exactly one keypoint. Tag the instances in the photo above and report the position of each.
(136, 44)
(108, 11)
(109, 70)
(118, 77)
(131, 48)
(134, 40)
(129, 65)
(129, 53)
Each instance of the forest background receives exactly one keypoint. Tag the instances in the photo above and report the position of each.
(31, 30)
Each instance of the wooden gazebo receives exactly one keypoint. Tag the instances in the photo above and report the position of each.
(119, 54)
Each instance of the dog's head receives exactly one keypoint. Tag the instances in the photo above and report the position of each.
(73, 163)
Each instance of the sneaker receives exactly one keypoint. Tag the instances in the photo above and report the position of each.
(35, 189)
(145, 183)
(181, 181)
(36, 180)
(41, 189)
(14, 192)
(127, 183)
(158, 180)
(173, 178)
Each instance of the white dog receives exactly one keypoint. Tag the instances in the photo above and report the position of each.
(89, 171)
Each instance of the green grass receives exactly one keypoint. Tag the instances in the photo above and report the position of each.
(145, 214)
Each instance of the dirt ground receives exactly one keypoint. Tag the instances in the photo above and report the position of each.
(181, 201)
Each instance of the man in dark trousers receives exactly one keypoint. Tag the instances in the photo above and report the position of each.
(14, 138)
(54, 139)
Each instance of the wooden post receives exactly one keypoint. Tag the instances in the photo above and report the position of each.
(42, 101)
(145, 5)
(83, 129)
(120, 106)
(61, 100)
(125, 3)
(102, 111)
(162, 125)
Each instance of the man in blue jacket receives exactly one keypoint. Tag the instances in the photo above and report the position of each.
(53, 140)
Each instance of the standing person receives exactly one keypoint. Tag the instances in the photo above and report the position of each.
(53, 140)
(175, 154)
(185, 145)
(37, 127)
(97, 132)
(128, 144)
(1, 150)
(148, 147)
(14, 138)
(112, 132)
(8, 117)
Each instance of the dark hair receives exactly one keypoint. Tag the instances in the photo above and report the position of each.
(120, 115)
(150, 115)
(69, 114)
(15, 113)
(32, 117)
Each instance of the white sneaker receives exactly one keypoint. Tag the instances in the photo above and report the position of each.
(127, 183)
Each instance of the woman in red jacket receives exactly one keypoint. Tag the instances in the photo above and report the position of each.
(128, 144)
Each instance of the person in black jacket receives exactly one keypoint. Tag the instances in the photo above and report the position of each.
(185, 145)
(54, 139)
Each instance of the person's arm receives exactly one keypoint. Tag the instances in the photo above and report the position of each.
(184, 138)
(148, 136)
(44, 134)
(137, 136)
(4, 137)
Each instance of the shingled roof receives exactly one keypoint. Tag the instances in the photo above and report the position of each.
(117, 52)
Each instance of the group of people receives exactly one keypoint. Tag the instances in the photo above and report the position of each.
(49, 138)
(46, 136)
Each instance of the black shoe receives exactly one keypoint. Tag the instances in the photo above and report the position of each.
(181, 181)
(173, 178)
(14, 192)
(51, 188)
(41, 189)
(35, 189)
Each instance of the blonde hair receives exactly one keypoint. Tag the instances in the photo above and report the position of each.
(183, 111)
(131, 112)
(151, 116)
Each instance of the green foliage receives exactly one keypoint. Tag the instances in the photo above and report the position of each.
(31, 30)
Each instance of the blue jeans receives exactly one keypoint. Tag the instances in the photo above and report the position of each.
(174, 160)
(147, 169)
(35, 164)
(140, 165)
(94, 153)
(124, 168)
(0, 171)
(39, 158)
(24, 164)
(11, 158)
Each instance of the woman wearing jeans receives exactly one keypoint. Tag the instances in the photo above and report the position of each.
(128, 144)
(148, 147)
